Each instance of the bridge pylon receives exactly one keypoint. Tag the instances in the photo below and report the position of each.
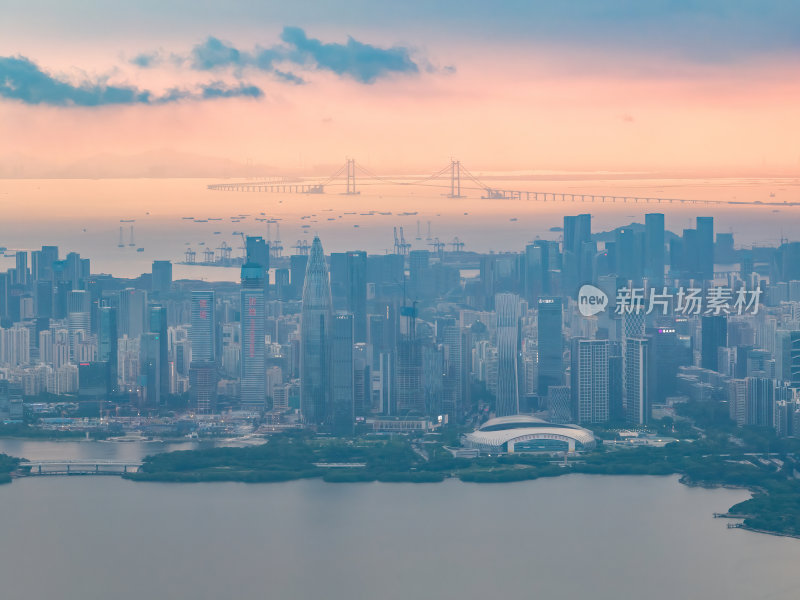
(351, 177)
(455, 179)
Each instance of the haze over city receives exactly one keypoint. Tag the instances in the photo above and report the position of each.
(412, 300)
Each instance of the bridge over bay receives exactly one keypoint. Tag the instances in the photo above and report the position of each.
(455, 181)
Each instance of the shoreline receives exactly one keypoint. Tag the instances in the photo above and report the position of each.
(440, 478)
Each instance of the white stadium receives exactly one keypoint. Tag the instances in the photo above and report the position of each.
(523, 433)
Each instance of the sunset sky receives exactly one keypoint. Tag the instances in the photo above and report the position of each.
(183, 88)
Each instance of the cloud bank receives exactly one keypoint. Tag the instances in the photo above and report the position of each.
(21, 79)
(362, 62)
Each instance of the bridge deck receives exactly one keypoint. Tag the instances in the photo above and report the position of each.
(77, 467)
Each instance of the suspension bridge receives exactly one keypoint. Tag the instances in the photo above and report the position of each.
(454, 180)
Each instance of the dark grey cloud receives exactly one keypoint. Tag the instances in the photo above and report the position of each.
(146, 59)
(363, 62)
(214, 54)
(222, 90)
(22, 80)
(289, 77)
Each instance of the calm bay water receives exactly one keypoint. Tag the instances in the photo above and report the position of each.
(84, 216)
(89, 449)
(570, 537)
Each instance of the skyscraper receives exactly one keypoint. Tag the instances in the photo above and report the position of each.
(342, 405)
(787, 355)
(162, 276)
(714, 335)
(705, 247)
(203, 368)
(43, 267)
(419, 274)
(132, 309)
(77, 320)
(298, 263)
(665, 358)
(559, 404)
(535, 271)
(636, 387)
(456, 372)
(654, 248)
(589, 375)
(44, 299)
(315, 334)
(150, 369)
(577, 234)
(337, 271)
(107, 342)
(357, 293)
(508, 309)
(203, 331)
(362, 380)
(737, 401)
(550, 344)
(408, 379)
(760, 401)
(629, 259)
(21, 270)
(253, 389)
(257, 253)
(158, 325)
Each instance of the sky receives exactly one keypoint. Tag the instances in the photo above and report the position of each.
(118, 89)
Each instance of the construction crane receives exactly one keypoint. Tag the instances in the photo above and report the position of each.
(457, 245)
(190, 256)
(438, 246)
(208, 256)
(244, 246)
(301, 247)
(404, 246)
(224, 252)
(276, 247)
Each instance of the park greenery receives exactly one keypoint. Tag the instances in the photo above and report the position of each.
(7, 465)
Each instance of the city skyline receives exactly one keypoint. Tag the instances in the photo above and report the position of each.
(344, 299)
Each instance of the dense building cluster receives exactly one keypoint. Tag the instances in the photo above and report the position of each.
(418, 338)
